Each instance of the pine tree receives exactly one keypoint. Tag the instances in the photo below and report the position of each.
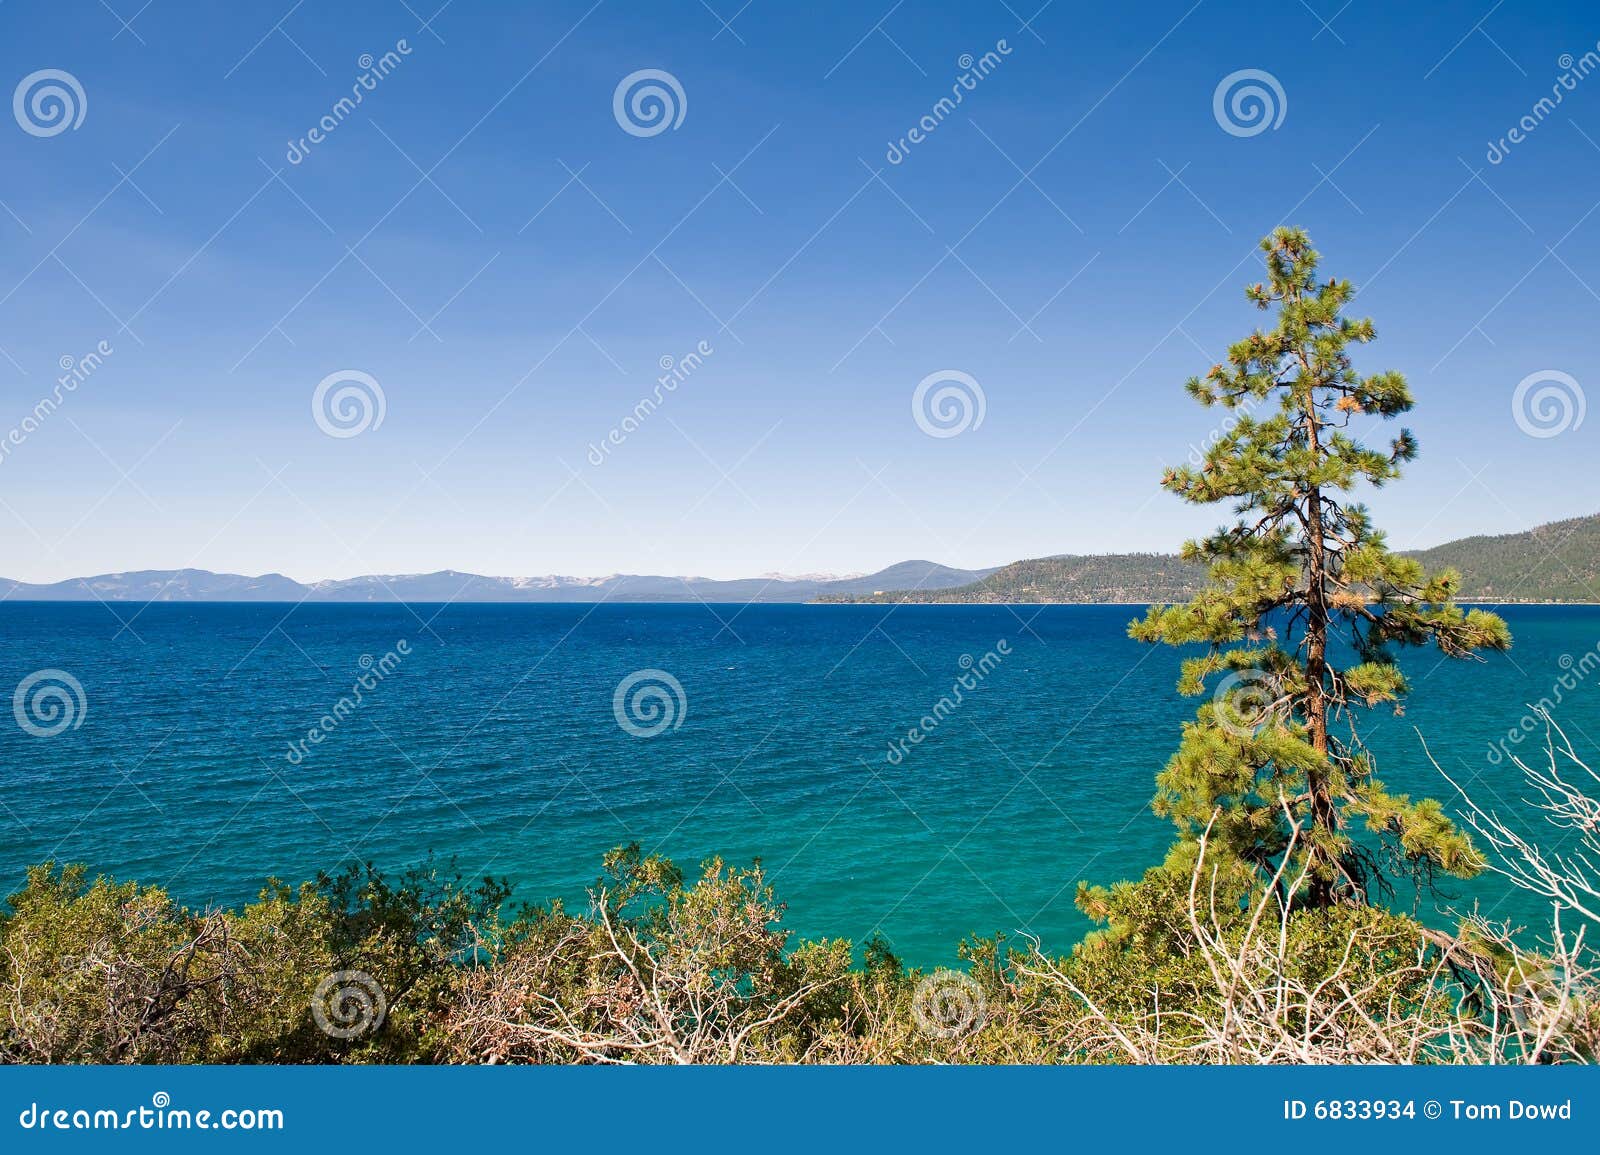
(1303, 611)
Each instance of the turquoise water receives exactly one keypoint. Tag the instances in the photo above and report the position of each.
(495, 740)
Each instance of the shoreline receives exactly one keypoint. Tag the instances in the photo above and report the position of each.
(1458, 601)
(625, 602)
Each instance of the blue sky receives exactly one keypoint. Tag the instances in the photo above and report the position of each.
(483, 239)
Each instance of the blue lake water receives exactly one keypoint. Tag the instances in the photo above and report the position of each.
(496, 740)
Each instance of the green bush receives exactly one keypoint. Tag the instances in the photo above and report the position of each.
(666, 969)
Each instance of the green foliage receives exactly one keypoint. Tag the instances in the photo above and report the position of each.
(1154, 963)
(665, 968)
(1555, 562)
(1300, 579)
(1559, 562)
(106, 971)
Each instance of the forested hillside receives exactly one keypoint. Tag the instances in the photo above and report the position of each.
(1117, 577)
(1559, 562)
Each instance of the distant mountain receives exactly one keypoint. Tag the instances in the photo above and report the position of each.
(1113, 577)
(183, 585)
(197, 585)
(810, 577)
(1555, 562)
(1558, 562)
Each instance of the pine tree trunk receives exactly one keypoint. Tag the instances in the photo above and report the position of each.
(1324, 815)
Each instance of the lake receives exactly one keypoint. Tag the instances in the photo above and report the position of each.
(219, 744)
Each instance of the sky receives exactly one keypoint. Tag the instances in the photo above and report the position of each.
(967, 346)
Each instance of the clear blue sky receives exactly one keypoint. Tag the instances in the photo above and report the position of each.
(513, 312)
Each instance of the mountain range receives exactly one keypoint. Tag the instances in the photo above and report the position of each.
(1555, 562)
(198, 585)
